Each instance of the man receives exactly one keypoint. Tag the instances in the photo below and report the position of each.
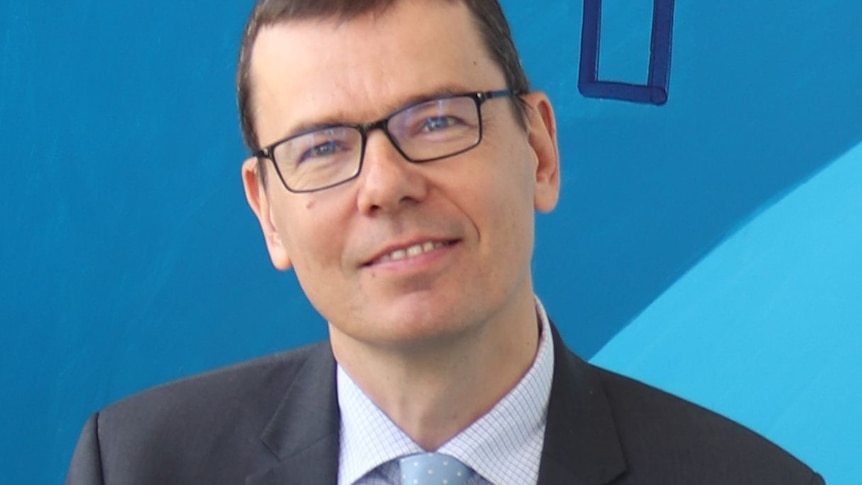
(399, 159)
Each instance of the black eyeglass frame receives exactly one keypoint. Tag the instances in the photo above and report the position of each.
(479, 98)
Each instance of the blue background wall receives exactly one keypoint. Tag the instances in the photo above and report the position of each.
(766, 328)
(128, 257)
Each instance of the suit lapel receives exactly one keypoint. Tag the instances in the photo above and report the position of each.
(303, 432)
(581, 442)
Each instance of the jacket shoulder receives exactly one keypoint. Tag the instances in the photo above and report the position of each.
(202, 429)
(660, 432)
(251, 383)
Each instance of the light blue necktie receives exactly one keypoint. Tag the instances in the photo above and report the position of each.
(433, 469)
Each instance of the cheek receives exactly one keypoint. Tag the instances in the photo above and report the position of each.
(503, 215)
(514, 178)
(313, 248)
(317, 229)
(514, 201)
(308, 237)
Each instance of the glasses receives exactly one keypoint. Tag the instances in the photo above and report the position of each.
(423, 132)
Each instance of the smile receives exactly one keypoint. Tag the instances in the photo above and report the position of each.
(409, 252)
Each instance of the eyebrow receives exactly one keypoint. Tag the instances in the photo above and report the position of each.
(340, 119)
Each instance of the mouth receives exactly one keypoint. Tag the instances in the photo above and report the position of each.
(407, 252)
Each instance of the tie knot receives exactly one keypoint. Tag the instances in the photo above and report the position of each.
(433, 469)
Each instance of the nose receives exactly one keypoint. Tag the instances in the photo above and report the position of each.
(388, 182)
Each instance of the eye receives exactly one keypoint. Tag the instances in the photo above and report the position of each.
(439, 123)
(324, 149)
(329, 146)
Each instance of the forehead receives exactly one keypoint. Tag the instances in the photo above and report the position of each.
(312, 71)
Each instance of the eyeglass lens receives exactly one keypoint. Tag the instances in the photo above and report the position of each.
(422, 132)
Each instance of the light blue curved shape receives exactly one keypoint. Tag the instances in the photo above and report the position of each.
(767, 329)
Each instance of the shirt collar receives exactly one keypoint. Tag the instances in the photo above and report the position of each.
(503, 446)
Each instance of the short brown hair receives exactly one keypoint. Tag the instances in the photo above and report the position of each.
(488, 14)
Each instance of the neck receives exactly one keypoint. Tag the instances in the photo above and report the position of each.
(433, 391)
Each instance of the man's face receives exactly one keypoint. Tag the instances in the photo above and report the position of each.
(474, 211)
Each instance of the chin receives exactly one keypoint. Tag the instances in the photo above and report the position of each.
(406, 328)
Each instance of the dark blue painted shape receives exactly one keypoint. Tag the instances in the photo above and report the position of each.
(656, 89)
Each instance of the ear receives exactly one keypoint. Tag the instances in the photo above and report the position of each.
(542, 133)
(255, 194)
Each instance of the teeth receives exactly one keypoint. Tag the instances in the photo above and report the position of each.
(410, 252)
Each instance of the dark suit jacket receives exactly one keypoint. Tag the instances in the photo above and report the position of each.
(275, 421)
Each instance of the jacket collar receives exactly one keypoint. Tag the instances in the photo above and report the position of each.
(582, 445)
(303, 432)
